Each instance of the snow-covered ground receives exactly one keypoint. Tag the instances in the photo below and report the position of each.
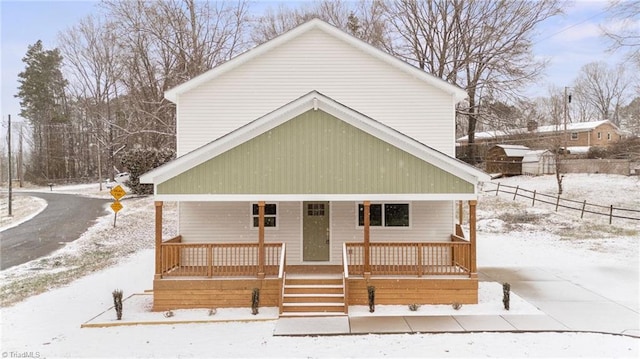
(46, 301)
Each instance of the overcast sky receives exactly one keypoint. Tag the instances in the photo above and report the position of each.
(568, 42)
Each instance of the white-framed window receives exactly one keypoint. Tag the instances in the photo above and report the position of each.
(608, 137)
(270, 215)
(599, 135)
(386, 215)
(574, 135)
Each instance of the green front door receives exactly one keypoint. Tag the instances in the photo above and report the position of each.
(315, 231)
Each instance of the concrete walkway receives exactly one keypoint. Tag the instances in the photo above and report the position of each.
(564, 305)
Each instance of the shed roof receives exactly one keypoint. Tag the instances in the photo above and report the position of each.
(535, 155)
(514, 150)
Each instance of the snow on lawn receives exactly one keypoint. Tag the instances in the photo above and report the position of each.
(102, 245)
(511, 234)
(49, 325)
(23, 208)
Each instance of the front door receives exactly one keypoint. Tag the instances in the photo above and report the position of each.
(315, 231)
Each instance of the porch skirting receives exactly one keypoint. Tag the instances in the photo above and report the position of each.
(169, 294)
(405, 291)
(187, 293)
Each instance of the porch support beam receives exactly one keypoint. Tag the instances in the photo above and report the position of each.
(158, 235)
(460, 213)
(472, 238)
(367, 221)
(261, 254)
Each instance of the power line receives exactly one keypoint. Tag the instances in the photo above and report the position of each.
(571, 26)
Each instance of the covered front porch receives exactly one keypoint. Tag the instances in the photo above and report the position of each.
(224, 274)
(328, 170)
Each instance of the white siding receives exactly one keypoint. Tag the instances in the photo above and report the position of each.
(231, 222)
(316, 61)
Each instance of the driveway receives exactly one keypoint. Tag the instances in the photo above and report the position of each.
(64, 220)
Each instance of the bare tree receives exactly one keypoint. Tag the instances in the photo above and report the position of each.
(623, 30)
(603, 88)
(481, 46)
(166, 43)
(630, 117)
(92, 55)
(363, 19)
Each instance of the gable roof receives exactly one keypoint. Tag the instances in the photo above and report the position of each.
(571, 127)
(514, 150)
(313, 100)
(173, 94)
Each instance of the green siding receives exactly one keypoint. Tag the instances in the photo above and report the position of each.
(315, 153)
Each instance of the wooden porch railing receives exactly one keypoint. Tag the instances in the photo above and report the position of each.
(414, 258)
(217, 259)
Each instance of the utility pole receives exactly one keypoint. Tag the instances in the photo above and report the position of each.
(565, 119)
(99, 164)
(567, 101)
(20, 155)
(10, 185)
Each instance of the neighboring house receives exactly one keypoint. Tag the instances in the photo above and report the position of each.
(311, 168)
(539, 162)
(505, 159)
(580, 134)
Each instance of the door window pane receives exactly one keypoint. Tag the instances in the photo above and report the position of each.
(315, 209)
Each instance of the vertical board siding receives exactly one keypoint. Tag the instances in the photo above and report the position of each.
(316, 61)
(313, 153)
(230, 222)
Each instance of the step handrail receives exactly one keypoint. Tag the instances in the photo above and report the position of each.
(345, 277)
(282, 276)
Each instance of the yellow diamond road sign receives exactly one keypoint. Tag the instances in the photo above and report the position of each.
(116, 206)
(118, 192)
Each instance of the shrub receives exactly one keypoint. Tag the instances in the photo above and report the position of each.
(255, 301)
(117, 302)
(141, 160)
(371, 290)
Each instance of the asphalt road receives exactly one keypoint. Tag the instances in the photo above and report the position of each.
(64, 220)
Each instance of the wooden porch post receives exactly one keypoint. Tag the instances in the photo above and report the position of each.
(367, 220)
(460, 213)
(158, 205)
(261, 255)
(472, 237)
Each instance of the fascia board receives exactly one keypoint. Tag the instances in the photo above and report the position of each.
(316, 197)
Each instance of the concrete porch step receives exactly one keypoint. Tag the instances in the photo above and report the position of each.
(311, 314)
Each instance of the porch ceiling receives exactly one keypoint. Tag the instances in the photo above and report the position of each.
(315, 156)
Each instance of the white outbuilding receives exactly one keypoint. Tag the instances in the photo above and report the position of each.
(539, 162)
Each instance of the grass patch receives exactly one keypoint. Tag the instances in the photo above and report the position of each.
(520, 217)
(587, 230)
